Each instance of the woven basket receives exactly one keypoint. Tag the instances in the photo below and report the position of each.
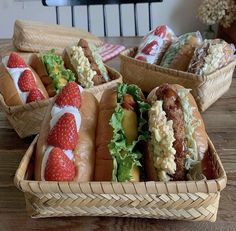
(183, 200)
(34, 36)
(205, 89)
(115, 76)
(25, 119)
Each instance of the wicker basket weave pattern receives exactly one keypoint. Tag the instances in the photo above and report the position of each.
(25, 119)
(35, 36)
(205, 89)
(185, 200)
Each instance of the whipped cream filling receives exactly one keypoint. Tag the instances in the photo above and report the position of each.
(15, 75)
(57, 112)
(44, 160)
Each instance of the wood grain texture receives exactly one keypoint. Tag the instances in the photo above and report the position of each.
(220, 121)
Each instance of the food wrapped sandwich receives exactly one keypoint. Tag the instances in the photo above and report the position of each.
(179, 53)
(210, 56)
(154, 44)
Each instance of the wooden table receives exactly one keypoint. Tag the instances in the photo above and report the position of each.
(220, 121)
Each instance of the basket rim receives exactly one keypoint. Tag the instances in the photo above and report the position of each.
(126, 57)
(117, 188)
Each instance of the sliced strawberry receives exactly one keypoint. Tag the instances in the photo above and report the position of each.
(59, 167)
(160, 31)
(64, 133)
(69, 95)
(15, 61)
(142, 58)
(148, 48)
(34, 95)
(26, 81)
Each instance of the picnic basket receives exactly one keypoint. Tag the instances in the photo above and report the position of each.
(26, 119)
(182, 200)
(34, 36)
(205, 89)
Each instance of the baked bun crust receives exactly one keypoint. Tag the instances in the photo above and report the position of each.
(103, 164)
(84, 153)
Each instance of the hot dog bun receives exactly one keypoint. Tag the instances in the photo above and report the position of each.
(199, 135)
(108, 167)
(84, 152)
(8, 87)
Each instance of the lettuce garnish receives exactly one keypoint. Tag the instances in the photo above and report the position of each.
(125, 155)
(55, 68)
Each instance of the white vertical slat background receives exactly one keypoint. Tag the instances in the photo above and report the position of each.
(178, 14)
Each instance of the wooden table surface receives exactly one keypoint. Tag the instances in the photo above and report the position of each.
(220, 121)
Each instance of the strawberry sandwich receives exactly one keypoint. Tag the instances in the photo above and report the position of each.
(65, 148)
(19, 83)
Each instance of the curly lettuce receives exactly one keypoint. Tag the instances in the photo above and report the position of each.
(125, 155)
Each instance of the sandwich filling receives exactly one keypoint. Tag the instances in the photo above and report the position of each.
(123, 145)
(171, 125)
(82, 65)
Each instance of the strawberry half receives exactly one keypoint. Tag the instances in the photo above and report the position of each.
(160, 31)
(69, 96)
(59, 167)
(15, 61)
(64, 133)
(26, 81)
(148, 48)
(34, 95)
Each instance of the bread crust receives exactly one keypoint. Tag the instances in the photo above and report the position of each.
(103, 164)
(9, 91)
(199, 135)
(36, 63)
(84, 153)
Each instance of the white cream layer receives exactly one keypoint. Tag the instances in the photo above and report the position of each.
(15, 75)
(57, 112)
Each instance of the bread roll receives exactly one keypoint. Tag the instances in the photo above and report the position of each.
(84, 153)
(199, 135)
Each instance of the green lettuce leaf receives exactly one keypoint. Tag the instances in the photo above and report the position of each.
(55, 68)
(125, 156)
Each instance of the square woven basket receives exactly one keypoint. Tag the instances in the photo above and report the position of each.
(205, 89)
(181, 200)
(26, 119)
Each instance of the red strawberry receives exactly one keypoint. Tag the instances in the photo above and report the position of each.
(15, 61)
(64, 133)
(142, 58)
(160, 31)
(59, 167)
(69, 95)
(148, 48)
(26, 81)
(34, 95)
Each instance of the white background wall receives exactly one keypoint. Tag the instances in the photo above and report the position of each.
(178, 14)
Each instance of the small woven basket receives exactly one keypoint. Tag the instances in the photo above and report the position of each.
(25, 119)
(182, 200)
(205, 89)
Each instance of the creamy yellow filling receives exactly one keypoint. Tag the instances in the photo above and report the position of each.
(81, 63)
(162, 138)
